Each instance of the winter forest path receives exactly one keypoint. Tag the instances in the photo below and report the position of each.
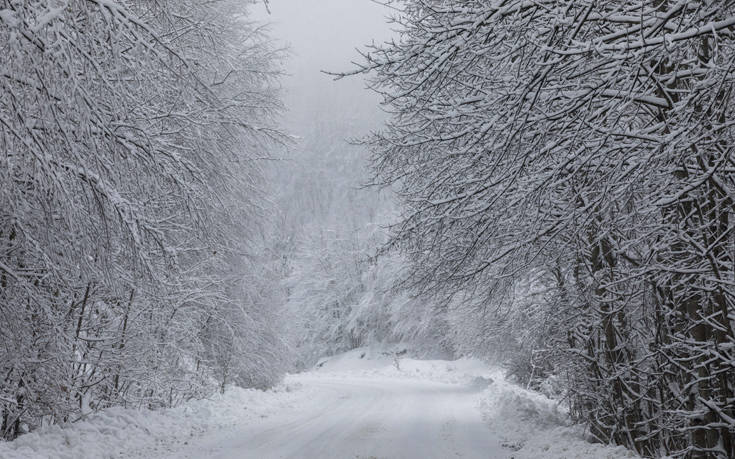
(351, 416)
(363, 404)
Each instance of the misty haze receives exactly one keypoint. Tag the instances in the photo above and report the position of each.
(367, 229)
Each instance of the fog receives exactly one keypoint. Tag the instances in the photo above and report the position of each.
(324, 35)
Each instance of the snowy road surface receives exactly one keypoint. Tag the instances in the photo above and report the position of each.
(360, 404)
(353, 417)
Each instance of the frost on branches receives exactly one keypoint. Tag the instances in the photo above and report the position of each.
(129, 139)
(588, 144)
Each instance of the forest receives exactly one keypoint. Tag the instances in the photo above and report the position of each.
(546, 185)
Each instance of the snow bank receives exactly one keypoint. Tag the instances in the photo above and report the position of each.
(568, 443)
(392, 362)
(119, 432)
(535, 426)
(357, 361)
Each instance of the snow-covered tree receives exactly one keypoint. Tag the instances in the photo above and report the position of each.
(326, 234)
(590, 140)
(129, 142)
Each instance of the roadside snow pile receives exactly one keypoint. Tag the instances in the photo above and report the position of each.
(569, 443)
(534, 426)
(119, 432)
(519, 414)
(467, 371)
(357, 361)
(393, 362)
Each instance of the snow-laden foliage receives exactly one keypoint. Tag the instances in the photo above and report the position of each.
(587, 143)
(343, 297)
(338, 294)
(129, 204)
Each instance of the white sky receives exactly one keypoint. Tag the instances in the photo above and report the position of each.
(324, 35)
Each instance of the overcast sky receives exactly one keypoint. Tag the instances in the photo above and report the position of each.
(324, 35)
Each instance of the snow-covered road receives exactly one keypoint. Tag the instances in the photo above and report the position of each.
(359, 417)
(360, 404)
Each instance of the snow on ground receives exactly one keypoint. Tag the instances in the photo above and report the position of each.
(535, 426)
(369, 402)
(131, 433)
(392, 362)
(528, 423)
